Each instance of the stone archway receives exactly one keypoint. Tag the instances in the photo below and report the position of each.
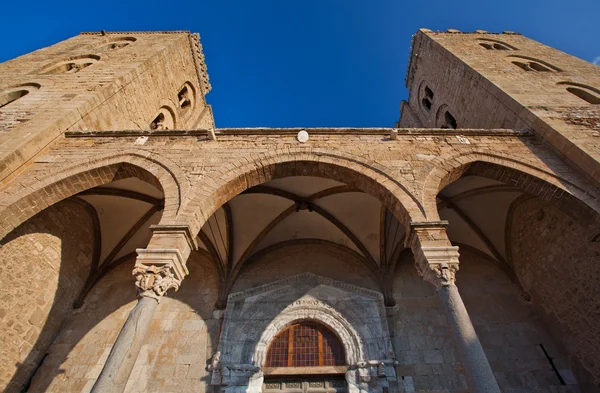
(255, 316)
(19, 206)
(570, 192)
(367, 176)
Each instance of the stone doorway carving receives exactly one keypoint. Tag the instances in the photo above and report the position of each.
(253, 318)
(308, 384)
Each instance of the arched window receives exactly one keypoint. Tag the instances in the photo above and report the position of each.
(427, 100)
(163, 120)
(531, 64)
(589, 94)
(305, 344)
(72, 65)
(117, 43)
(13, 94)
(449, 121)
(491, 44)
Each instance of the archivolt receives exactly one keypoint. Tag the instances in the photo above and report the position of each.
(20, 206)
(512, 171)
(367, 176)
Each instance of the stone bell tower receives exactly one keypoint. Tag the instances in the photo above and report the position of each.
(100, 81)
(484, 80)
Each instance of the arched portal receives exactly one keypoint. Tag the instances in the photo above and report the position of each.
(254, 320)
(306, 355)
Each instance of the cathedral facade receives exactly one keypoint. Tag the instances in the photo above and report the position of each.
(144, 250)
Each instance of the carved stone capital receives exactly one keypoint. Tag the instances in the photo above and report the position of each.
(438, 265)
(158, 270)
(436, 260)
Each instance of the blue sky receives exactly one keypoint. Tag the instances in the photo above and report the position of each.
(309, 63)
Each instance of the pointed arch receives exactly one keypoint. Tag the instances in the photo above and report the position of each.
(20, 203)
(367, 176)
(573, 195)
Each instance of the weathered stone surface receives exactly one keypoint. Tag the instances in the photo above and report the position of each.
(532, 297)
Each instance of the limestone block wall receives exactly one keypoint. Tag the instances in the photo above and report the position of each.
(43, 266)
(123, 89)
(560, 283)
(292, 260)
(506, 325)
(483, 88)
(174, 357)
(472, 99)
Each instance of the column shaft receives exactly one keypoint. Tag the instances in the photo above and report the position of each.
(125, 351)
(478, 372)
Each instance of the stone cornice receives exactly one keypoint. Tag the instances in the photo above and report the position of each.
(385, 132)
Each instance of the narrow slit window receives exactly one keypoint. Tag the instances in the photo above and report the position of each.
(538, 67)
(428, 92)
(427, 104)
(184, 100)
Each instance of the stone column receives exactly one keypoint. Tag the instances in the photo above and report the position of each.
(436, 261)
(158, 268)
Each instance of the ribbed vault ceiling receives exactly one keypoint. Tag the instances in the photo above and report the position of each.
(300, 208)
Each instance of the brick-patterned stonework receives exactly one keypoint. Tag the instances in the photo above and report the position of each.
(198, 175)
(409, 170)
(123, 90)
(518, 130)
(182, 336)
(44, 264)
(562, 283)
(505, 323)
(483, 89)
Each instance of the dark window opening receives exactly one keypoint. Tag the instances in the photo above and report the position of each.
(538, 67)
(500, 47)
(535, 65)
(158, 122)
(523, 66)
(305, 344)
(449, 121)
(428, 92)
(584, 95)
(426, 104)
(495, 45)
(12, 96)
(184, 101)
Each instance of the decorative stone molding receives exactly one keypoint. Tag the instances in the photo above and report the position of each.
(436, 260)
(158, 270)
(253, 318)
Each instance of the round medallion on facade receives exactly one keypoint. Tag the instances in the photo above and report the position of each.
(302, 136)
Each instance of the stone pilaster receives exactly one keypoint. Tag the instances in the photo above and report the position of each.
(437, 262)
(159, 268)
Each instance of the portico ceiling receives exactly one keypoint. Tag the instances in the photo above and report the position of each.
(300, 208)
(304, 208)
(122, 213)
